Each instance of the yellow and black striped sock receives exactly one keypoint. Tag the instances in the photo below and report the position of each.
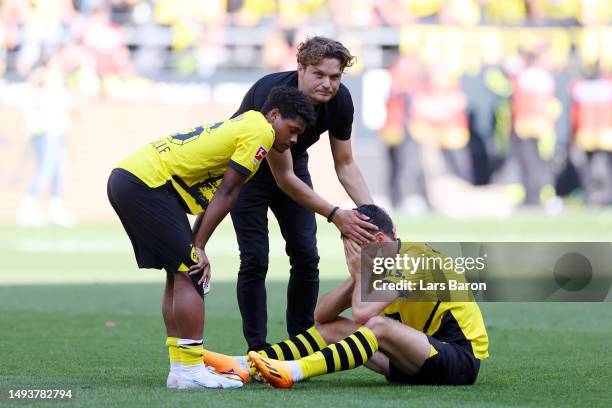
(348, 353)
(294, 348)
(191, 352)
(174, 352)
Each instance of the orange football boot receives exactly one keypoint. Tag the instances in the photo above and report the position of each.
(226, 366)
(276, 373)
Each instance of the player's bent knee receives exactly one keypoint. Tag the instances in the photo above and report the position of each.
(378, 325)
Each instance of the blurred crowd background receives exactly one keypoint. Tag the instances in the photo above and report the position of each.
(464, 107)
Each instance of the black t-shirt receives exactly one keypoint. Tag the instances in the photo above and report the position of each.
(336, 115)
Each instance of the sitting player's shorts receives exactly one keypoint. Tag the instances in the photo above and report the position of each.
(156, 222)
(454, 364)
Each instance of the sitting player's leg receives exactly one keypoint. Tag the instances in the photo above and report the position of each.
(411, 357)
(310, 341)
(294, 348)
(346, 354)
(402, 345)
(341, 328)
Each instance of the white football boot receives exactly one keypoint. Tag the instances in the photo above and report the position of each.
(200, 376)
(174, 378)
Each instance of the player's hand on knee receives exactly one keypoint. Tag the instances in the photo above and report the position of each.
(203, 265)
(354, 226)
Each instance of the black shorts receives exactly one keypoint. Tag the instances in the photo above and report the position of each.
(454, 364)
(154, 219)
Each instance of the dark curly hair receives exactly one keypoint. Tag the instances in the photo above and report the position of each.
(315, 49)
(291, 103)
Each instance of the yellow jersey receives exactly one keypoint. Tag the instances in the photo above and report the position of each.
(431, 312)
(195, 160)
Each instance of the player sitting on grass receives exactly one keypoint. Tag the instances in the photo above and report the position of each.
(409, 341)
(197, 171)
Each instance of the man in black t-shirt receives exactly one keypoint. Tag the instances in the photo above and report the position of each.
(283, 184)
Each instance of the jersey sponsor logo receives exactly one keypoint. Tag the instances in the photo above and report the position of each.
(261, 153)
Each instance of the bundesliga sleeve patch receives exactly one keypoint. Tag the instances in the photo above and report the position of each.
(261, 153)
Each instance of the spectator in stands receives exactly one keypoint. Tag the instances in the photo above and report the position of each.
(595, 12)
(535, 109)
(406, 179)
(47, 118)
(106, 42)
(45, 27)
(439, 115)
(279, 51)
(591, 114)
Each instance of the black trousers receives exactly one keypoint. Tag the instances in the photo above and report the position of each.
(299, 228)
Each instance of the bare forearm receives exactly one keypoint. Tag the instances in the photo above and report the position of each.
(218, 208)
(353, 182)
(364, 310)
(281, 165)
(301, 193)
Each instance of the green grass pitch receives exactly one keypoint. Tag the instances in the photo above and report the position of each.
(59, 288)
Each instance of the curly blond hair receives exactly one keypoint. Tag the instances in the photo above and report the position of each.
(315, 49)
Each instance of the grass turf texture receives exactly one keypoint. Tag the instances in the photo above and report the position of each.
(58, 288)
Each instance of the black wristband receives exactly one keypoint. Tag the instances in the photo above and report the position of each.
(330, 217)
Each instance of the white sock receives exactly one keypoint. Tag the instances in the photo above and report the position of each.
(296, 370)
(242, 362)
(191, 368)
(189, 342)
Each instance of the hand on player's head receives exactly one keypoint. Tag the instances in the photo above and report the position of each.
(377, 216)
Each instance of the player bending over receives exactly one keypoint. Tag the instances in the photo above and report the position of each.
(197, 171)
(408, 341)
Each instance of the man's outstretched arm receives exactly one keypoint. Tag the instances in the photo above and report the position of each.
(350, 223)
(348, 172)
